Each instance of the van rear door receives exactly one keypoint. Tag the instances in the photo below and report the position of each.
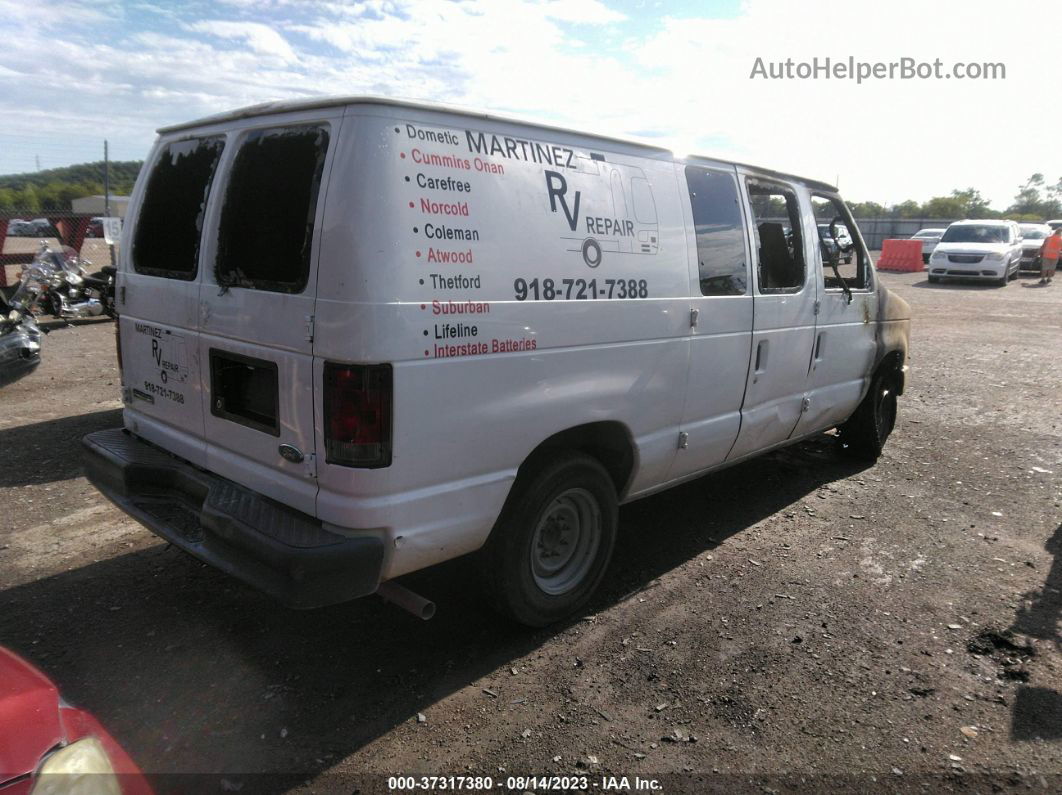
(256, 305)
(158, 295)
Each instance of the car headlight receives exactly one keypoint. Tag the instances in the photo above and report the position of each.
(938, 255)
(993, 255)
(81, 767)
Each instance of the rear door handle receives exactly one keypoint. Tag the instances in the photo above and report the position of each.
(761, 357)
(816, 356)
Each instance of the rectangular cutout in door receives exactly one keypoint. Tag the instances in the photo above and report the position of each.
(244, 390)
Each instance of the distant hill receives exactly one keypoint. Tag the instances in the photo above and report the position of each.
(123, 175)
(55, 188)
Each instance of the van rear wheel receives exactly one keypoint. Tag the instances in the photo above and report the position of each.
(865, 432)
(554, 539)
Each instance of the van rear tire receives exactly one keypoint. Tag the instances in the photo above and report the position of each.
(553, 542)
(866, 431)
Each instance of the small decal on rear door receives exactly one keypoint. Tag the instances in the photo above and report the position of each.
(168, 360)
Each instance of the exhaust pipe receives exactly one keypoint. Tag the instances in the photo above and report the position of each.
(400, 596)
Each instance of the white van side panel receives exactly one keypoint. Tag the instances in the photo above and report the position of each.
(843, 362)
(158, 326)
(469, 408)
(719, 357)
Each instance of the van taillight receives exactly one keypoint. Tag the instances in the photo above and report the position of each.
(357, 415)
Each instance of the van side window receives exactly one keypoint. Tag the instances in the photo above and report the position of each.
(839, 245)
(720, 236)
(778, 236)
(170, 219)
(267, 221)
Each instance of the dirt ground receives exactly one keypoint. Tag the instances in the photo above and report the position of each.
(799, 622)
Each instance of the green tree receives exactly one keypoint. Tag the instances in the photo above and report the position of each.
(28, 200)
(1054, 192)
(1029, 202)
(867, 210)
(944, 207)
(49, 196)
(967, 203)
(907, 209)
(974, 204)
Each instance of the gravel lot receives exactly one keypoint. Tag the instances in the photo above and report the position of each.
(795, 623)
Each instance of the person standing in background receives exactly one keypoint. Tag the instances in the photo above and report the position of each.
(1049, 252)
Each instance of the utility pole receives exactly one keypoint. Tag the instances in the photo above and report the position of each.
(106, 181)
(38, 157)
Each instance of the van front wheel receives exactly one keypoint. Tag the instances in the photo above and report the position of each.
(554, 539)
(865, 432)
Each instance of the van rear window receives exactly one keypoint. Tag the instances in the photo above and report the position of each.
(267, 221)
(170, 221)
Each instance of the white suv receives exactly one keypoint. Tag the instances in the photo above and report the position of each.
(985, 250)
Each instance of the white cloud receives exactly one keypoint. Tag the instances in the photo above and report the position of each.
(57, 13)
(680, 80)
(886, 140)
(262, 39)
(591, 12)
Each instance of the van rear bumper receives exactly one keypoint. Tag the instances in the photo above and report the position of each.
(276, 549)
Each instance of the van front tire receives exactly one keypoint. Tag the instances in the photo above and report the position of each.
(553, 542)
(866, 431)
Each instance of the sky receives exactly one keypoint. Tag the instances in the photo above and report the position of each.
(677, 74)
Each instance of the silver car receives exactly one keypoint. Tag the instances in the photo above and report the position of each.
(1032, 241)
(929, 238)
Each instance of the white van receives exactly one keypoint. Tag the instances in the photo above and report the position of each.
(361, 337)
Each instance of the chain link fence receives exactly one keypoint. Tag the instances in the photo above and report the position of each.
(21, 235)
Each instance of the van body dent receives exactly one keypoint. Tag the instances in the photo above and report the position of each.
(361, 337)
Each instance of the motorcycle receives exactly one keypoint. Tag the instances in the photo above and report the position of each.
(73, 291)
(20, 337)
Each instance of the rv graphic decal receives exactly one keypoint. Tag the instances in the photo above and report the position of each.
(611, 210)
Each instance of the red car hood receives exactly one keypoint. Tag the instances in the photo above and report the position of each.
(30, 724)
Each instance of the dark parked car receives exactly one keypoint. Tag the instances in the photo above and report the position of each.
(38, 227)
(95, 227)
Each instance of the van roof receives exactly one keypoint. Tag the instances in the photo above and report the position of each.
(291, 105)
